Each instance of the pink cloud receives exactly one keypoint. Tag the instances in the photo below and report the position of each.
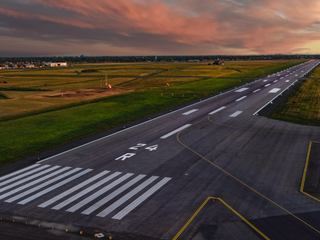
(260, 26)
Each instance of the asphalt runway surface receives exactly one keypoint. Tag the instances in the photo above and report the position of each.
(212, 170)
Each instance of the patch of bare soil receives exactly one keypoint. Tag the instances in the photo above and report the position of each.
(82, 94)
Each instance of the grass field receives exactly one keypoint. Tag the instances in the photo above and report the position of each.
(303, 106)
(32, 123)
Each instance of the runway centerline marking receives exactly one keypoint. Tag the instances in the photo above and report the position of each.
(235, 114)
(267, 85)
(241, 90)
(239, 99)
(217, 110)
(275, 90)
(189, 112)
(175, 131)
(257, 90)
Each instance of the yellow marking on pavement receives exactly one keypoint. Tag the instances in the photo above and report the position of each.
(305, 173)
(230, 175)
(228, 206)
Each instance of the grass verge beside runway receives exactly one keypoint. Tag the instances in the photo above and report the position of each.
(30, 134)
(303, 106)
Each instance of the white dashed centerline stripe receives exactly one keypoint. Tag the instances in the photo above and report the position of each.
(275, 90)
(112, 195)
(239, 99)
(89, 189)
(126, 197)
(20, 171)
(275, 81)
(71, 190)
(267, 85)
(140, 199)
(235, 114)
(256, 90)
(42, 185)
(217, 110)
(287, 80)
(265, 80)
(175, 131)
(24, 175)
(45, 191)
(241, 90)
(189, 112)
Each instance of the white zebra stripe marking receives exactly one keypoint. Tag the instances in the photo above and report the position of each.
(20, 171)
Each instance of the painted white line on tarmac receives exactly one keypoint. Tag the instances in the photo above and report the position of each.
(275, 81)
(175, 131)
(257, 90)
(126, 197)
(235, 114)
(112, 195)
(47, 190)
(189, 112)
(287, 80)
(71, 190)
(275, 90)
(93, 187)
(20, 171)
(267, 85)
(140, 199)
(241, 90)
(217, 110)
(265, 80)
(239, 99)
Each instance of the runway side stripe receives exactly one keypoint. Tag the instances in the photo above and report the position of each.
(23, 175)
(99, 193)
(42, 185)
(30, 183)
(45, 191)
(217, 110)
(126, 197)
(112, 195)
(175, 131)
(235, 114)
(20, 171)
(189, 112)
(239, 99)
(140, 199)
(241, 90)
(86, 191)
(256, 90)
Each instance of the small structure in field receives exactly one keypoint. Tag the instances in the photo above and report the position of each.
(56, 64)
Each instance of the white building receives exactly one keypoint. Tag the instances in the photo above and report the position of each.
(57, 64)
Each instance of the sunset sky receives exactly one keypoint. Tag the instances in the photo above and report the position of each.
(158, 27)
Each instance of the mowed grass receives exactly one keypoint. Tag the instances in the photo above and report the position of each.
(29, 134)
(303, 106)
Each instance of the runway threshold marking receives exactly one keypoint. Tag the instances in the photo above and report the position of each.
(305, 173)
(175, 131)
(228, 206)
(230, 175)
(189, 112)
(217, 110)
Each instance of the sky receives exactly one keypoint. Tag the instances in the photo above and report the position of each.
(158, 27)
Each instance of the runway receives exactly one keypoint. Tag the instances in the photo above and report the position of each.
(212, 170)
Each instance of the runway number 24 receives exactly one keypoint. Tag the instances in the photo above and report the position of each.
(136, 147)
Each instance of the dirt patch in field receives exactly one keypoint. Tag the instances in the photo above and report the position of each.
(81, 94)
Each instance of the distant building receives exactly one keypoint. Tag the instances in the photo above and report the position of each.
(56, 64)
(28, 65)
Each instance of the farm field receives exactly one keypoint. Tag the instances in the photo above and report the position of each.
(303, 106)
(44, 108)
